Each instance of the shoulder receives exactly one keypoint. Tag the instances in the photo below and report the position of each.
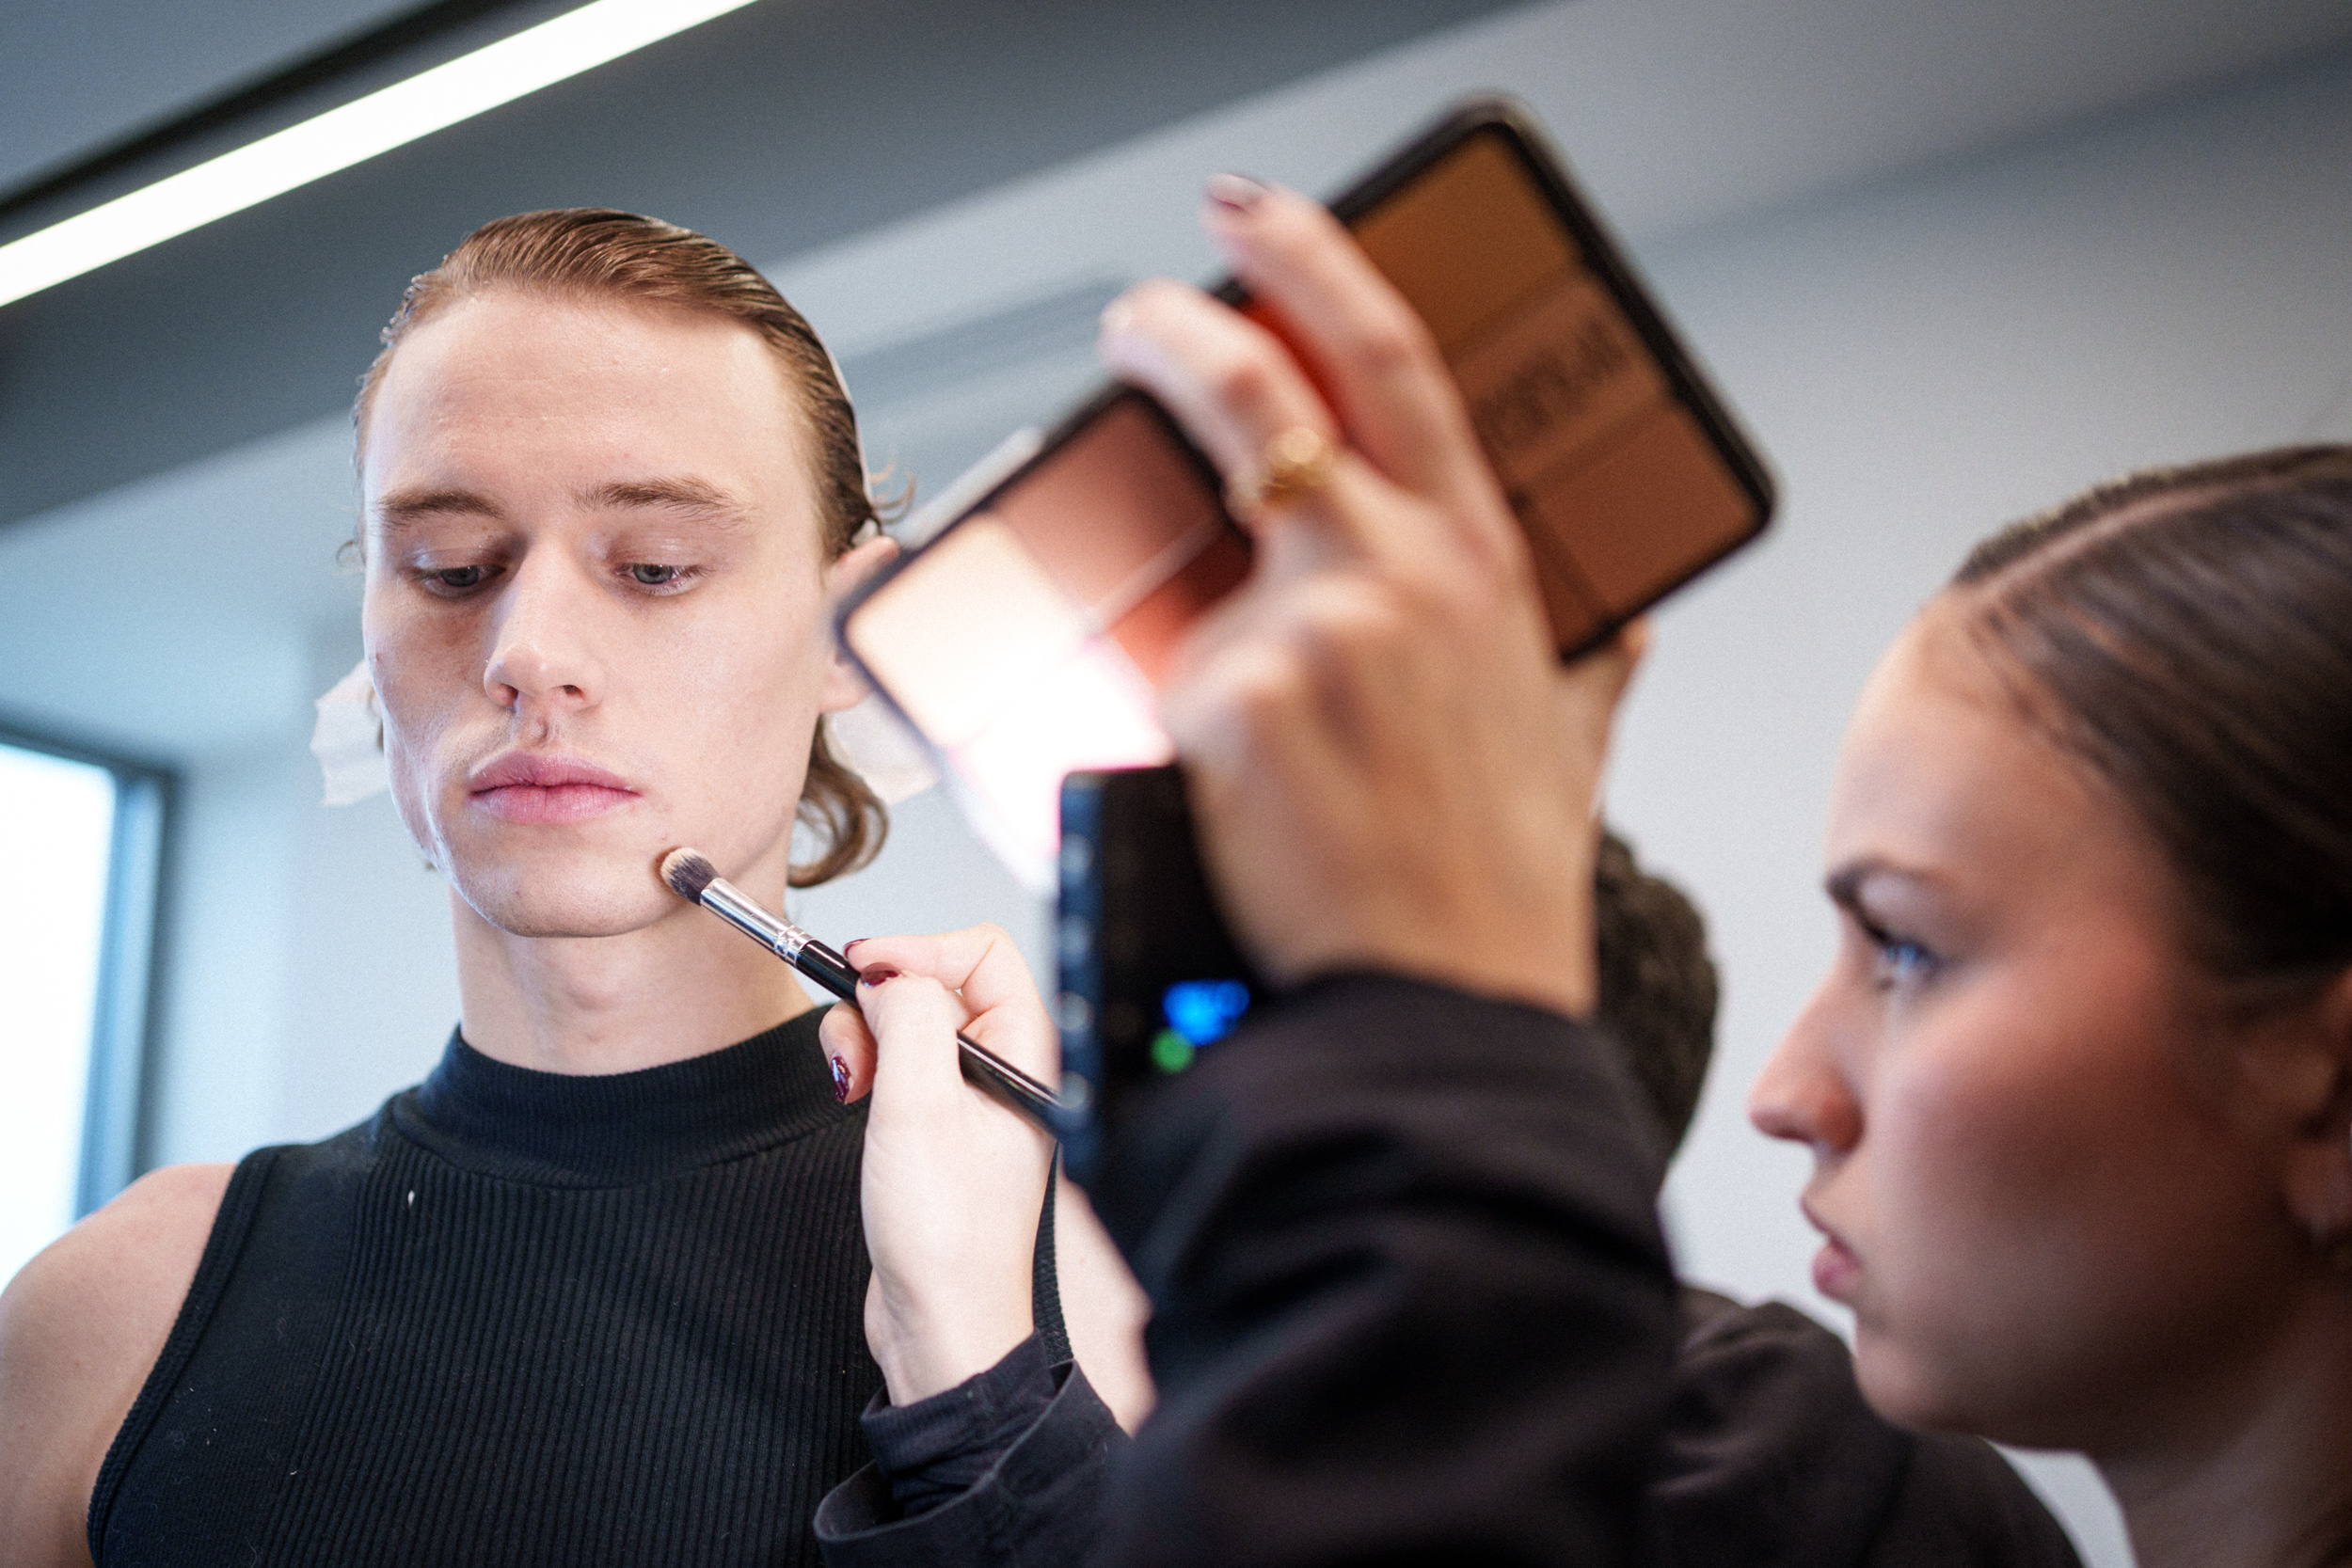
(80, 1328)
(148, 1237)
(1963, 1503)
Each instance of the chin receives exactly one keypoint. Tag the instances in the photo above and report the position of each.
(1919, 1390)
(1900, 1386)
(600, 895)
(535, 912)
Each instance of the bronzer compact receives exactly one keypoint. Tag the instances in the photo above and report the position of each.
(1026, 640)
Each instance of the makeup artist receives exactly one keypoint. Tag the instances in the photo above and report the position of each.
(597, 1290)
(1410, 1300)
(2077, 1084)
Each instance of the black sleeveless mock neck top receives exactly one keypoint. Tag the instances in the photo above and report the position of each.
(520, 1317)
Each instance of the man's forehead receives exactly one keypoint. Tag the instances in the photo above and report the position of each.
(508, 358)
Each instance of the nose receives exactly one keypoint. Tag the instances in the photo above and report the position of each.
(543, 663)
(1802, 1094)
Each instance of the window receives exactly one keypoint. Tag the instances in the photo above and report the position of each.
(77, 920)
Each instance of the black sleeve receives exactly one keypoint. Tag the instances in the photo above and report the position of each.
(1007, 1469)
(1774, 1458)
(1410, 1302)
(938, 1448)
(1962, 1506)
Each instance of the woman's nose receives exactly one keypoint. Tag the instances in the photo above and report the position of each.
(1802, 1094)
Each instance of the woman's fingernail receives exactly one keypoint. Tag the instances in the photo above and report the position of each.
(854, 942)
(840, 1080)
(1235, 193)
(876, 974)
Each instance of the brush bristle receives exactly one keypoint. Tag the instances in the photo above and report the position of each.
(688, 873)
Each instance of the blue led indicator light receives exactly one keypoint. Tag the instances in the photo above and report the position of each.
(1204, 1011)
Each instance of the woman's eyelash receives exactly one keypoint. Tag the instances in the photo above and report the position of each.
(1898, 958)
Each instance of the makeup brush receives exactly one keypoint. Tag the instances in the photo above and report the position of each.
(694, 879)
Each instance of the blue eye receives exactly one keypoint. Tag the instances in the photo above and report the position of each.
(1901, 961)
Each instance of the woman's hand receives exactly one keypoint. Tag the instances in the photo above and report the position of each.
(952, 1181)
(1390, 766)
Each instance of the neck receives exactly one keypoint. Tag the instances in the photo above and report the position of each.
(2259, 1473)
(682, 987)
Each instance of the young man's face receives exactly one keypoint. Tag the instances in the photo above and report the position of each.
(595, 608)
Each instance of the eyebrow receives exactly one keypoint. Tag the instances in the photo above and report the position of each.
(1845, 885)
(686, 496)
(403, 507)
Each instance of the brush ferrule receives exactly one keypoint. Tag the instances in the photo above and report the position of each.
(730, 904)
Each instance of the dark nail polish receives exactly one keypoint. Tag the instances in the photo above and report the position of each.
(840, 1080)
(1235, 193)
(876, 974)
(854, 942)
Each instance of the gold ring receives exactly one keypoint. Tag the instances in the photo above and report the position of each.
(1296, 464)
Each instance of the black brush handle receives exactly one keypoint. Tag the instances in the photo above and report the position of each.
(829, 969)
(982, 1068)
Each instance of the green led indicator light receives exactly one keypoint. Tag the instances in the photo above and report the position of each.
(1172, 1051)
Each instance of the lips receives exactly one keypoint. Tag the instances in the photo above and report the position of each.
(1836, 1272)
(520, 786)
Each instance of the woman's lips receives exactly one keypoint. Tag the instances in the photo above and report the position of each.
(1835, 1270)
(519, 787)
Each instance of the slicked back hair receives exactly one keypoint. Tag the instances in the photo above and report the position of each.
(597, 253)
(2188, 633)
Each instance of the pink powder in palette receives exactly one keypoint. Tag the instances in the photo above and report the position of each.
(1025, 641)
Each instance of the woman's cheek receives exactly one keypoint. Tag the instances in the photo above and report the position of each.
(1944, 1144)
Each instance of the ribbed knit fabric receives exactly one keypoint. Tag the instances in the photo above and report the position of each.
(519, 1317)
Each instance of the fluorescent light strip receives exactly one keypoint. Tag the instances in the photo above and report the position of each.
(494, 74)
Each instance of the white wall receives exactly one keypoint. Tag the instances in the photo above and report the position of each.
(309, 971)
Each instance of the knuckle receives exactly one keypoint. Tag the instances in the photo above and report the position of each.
(1354, 617)
(1268, 694)
(1242, 380)
(1155, 292)
(1388, 349)
(1148, 302)
(1391, 343)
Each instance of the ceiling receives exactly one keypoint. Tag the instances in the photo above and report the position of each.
(76, 77)
(780, 127)
(949, 192)
(795, 124)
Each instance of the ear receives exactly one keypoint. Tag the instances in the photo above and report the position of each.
(843, 686)
(2307, 1073)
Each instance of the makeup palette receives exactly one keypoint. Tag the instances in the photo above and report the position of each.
(1025, 641)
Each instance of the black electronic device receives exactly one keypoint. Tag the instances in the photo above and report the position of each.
(1150, 976)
